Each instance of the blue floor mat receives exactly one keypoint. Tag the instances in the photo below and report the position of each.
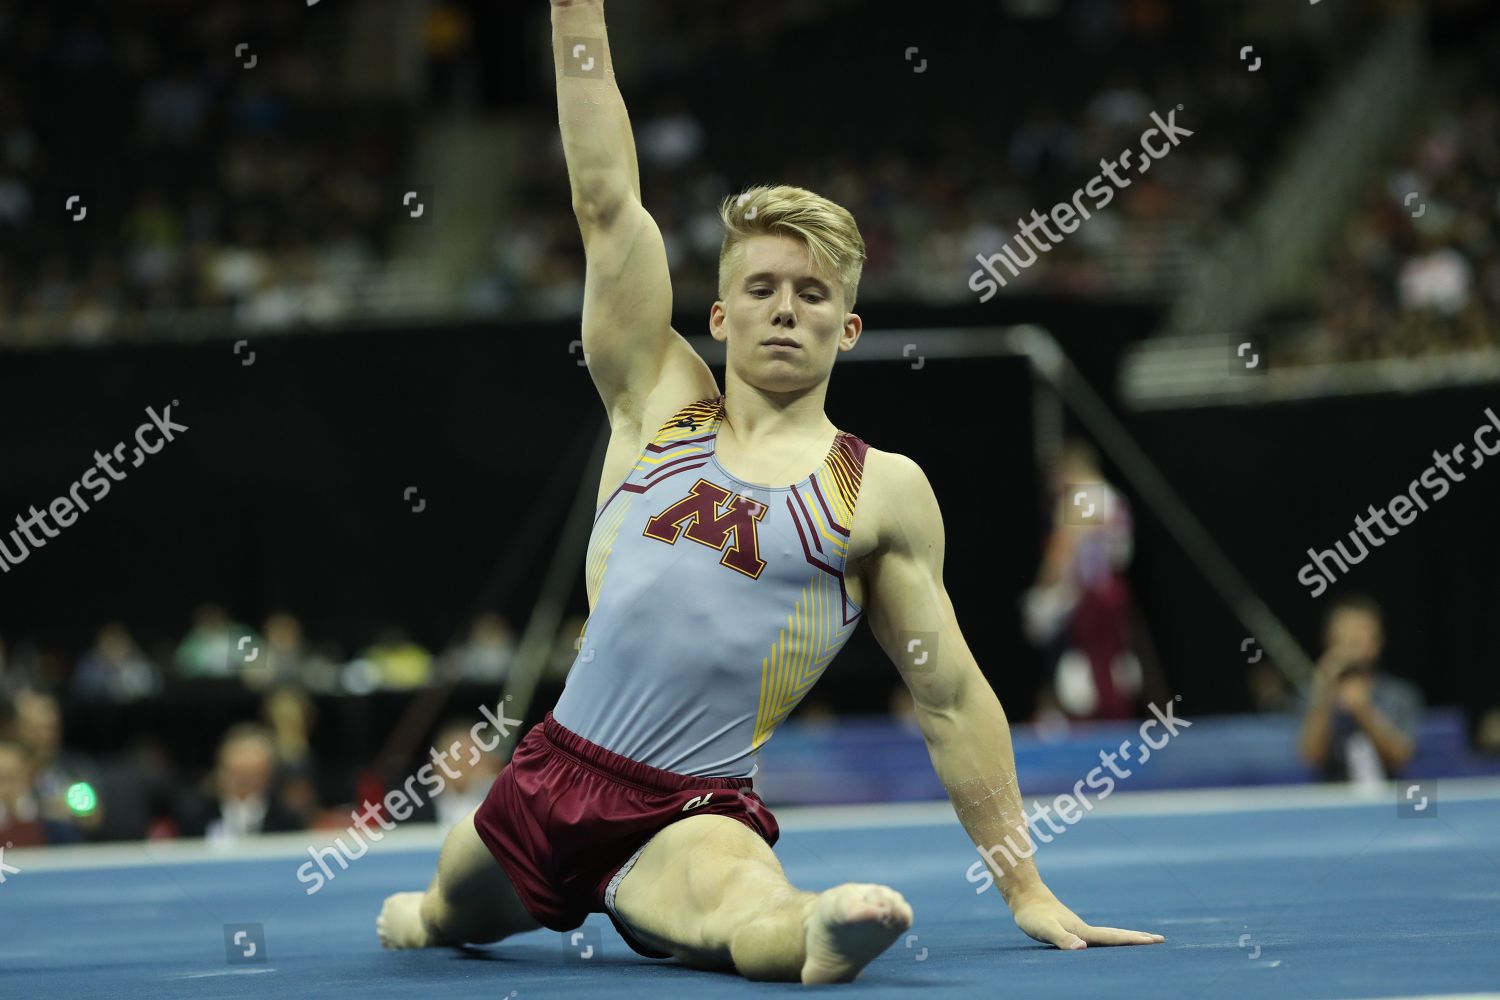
(1275, 903)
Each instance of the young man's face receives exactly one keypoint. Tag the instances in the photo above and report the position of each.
(246, 768)
(1355, 633)
(778, 294)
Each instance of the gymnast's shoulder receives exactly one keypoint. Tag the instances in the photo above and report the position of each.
(896, 501)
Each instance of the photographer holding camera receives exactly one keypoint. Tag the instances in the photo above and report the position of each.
(1360, 723)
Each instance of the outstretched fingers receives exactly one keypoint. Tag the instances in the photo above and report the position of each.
(1117, 935)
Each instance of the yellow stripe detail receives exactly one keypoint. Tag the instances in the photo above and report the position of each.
(602, 543)
(846, 482)
(815, 510)
(702, 413)
(647, 459)
(798, 657)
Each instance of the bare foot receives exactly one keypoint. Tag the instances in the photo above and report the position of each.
(849, 925)
(400, 922)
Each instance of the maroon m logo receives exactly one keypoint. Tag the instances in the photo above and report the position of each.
(699, 511)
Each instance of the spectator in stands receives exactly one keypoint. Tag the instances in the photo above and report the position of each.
(21, 821)
(115, 669)
(284, 657)
(290, 715)
(209, 649)
(17, 675)
(242, 799)
(476, 769)
(399, 662)
(54, 769)
(1079, 607)
(1360, 723)
(486, 654)
(137, 788)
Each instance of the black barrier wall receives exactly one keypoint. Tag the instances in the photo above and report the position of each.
(1270, 482)
(289, 490)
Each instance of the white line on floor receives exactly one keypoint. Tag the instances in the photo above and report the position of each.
(1122, 804)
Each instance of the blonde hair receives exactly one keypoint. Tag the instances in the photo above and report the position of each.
(827, 229)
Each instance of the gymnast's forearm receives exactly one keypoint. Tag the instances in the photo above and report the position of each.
(969, 742)
(597, 141)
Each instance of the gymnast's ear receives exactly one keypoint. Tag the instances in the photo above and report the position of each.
(718, 317)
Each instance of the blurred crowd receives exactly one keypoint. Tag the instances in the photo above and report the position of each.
(951, 188)
(246, 182)
(265, 777)
(250, 185)
(239, 178)
(1418, 271)
(116, 669)
(266, 195)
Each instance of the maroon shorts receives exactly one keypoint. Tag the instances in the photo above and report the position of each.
(567, 819)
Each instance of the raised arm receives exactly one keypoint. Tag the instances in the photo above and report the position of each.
(628, 342)
(596, 133)
(961, 720)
